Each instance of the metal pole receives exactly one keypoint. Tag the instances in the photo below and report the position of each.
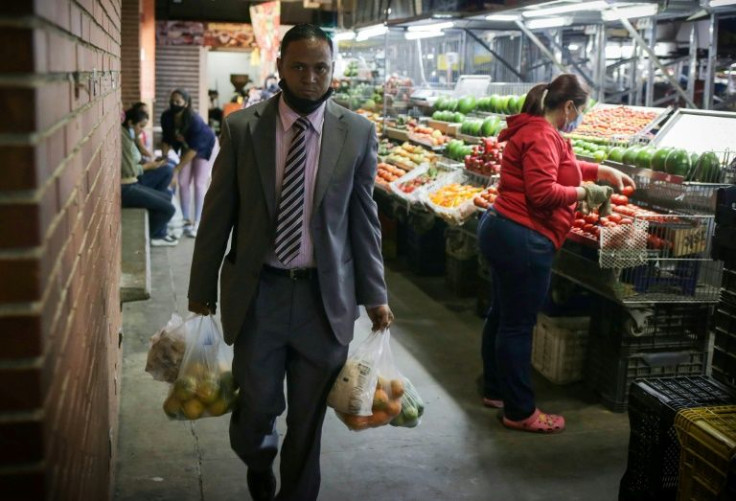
(635, 35)
(634, 77)
(649, 96)
(710, 73)
(557, 43)
(601, 62)
(692, 65)
(541, 46)
(494, 53)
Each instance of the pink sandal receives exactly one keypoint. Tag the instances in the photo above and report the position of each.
(493, 404)
(538, 422)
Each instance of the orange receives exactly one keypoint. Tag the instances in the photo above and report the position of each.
(397, 388)
(393, 408)
(380, 400)
(218, 408)
(172, 407)
(379, 418)
(353, 422)
(382, 383)
(193, 408)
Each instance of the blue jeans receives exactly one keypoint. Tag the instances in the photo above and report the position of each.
(160, 178)
(521, 264)
(159, 206)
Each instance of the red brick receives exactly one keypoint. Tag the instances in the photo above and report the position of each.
(20, 389)
(21, 337)
(21, 442)
(75, 20)
(19, 105)
(49, 108)
(56, 151)
(16, 50)
(61, 53)
(20, 224)
(57, 12)
(67, 180)
(19, 280)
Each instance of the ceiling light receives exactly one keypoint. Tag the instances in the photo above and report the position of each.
(564, 9)
(345, 35)
(721, 3)
(433, 26)
(370, 32)
(549, 22)
(415, 35)
(615, 14)
(573, 47)
(502, 17)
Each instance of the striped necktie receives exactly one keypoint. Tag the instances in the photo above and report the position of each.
(291, 204)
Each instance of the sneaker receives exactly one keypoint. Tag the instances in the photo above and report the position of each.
(167, 241)
(190, 231)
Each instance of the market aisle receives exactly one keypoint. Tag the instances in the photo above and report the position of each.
(460, 451)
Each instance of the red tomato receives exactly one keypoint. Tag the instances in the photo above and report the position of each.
(628, 190)
(626, 220)
(591, 218)
(588, 228)
(615, 218)
(578, 223)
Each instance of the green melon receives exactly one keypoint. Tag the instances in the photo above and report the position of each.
(616, 154)
(708, 168)
(644, 158)
(513, 104)
(466, 104)
(630, 155)
(659, 158)
(678, 162)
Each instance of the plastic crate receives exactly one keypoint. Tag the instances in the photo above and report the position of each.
(566, 299)
(610, 374)
(724, 345)
(660, 326)
(559, 347)
(461, 275)
(707, 438)
(654, 452)
(425, 245)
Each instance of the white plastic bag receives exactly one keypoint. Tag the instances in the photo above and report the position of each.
(166, 350)
(204, 386)
(412, 407)
(368, 391)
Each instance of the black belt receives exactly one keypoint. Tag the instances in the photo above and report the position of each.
(292, 273)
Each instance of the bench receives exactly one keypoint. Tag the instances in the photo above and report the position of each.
(135, 276)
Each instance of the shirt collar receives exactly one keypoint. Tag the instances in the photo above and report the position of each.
(289, 116)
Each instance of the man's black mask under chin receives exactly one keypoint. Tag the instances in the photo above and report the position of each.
(301, 105)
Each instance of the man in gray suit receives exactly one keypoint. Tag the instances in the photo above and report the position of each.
(292, 193)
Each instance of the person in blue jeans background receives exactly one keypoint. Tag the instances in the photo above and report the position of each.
(133, 193)
(540, 184)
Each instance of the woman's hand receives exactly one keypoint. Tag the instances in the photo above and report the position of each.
(615, 177)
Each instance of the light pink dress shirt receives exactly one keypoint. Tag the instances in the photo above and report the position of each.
(284, 135)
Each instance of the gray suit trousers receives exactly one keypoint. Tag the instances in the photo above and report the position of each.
(286, 334)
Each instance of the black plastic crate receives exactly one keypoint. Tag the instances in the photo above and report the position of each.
(461, 275)
(728, 279)
(610, 375)
(424, 245)
(654, 451)
(659, 326)
(566, 299)
(724, 345)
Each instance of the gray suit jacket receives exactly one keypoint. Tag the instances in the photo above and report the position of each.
(242, 200)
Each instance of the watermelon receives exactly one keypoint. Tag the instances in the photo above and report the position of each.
(659, 158)
(437, 115)
(495, 103)
(616, 154)
(440, 104)
(644, 158)
(522, 98)
(678, 163)
(451, 104)
(708, 168)
(466, 104)
(513, 105)
(630, 155)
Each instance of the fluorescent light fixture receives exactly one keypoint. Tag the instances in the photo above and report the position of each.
(564, 9)
(415, 35)
(344, 35)
(630, 12)
(549, 22)
(573, 46)
(502, 17)
(433, 26)
(721, 3)
(370, 32)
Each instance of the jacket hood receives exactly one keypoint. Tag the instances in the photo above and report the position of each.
(515, 123)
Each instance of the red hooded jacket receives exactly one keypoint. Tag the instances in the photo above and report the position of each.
(539, 174)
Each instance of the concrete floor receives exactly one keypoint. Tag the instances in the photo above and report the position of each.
(459, 451)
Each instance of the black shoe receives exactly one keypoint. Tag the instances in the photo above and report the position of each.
(261, 484)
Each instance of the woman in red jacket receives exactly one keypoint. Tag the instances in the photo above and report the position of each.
(539, 188)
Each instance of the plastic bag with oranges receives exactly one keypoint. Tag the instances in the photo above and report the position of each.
(369, 388)
(204, 386)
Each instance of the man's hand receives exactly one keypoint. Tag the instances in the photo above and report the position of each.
(201, 309)
(381, 316)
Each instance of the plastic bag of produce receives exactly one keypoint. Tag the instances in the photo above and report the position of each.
(204, 385)
(369, 388)
(166, 350)
(412, 407)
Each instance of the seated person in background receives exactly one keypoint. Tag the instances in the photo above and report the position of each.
(157, 173)
(133, 192)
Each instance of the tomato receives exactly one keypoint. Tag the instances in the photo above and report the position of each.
(578, 223)
(626, 220)
(628, 191)
(615, 218)
(619, 199)
(588, 228)
(591, 218)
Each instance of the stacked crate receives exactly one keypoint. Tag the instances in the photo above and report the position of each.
(654, 451)
(724, 348)
(655, 340)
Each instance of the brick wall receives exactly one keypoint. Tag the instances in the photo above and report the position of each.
(59, 247)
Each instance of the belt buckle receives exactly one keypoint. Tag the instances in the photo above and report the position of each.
(293, 273)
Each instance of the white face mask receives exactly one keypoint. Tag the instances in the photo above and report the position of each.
(131, 131)
(571, 126)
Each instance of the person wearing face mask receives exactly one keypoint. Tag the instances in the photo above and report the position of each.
(291, 193)
(541, 183)
(133, 192)
(186, 133)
